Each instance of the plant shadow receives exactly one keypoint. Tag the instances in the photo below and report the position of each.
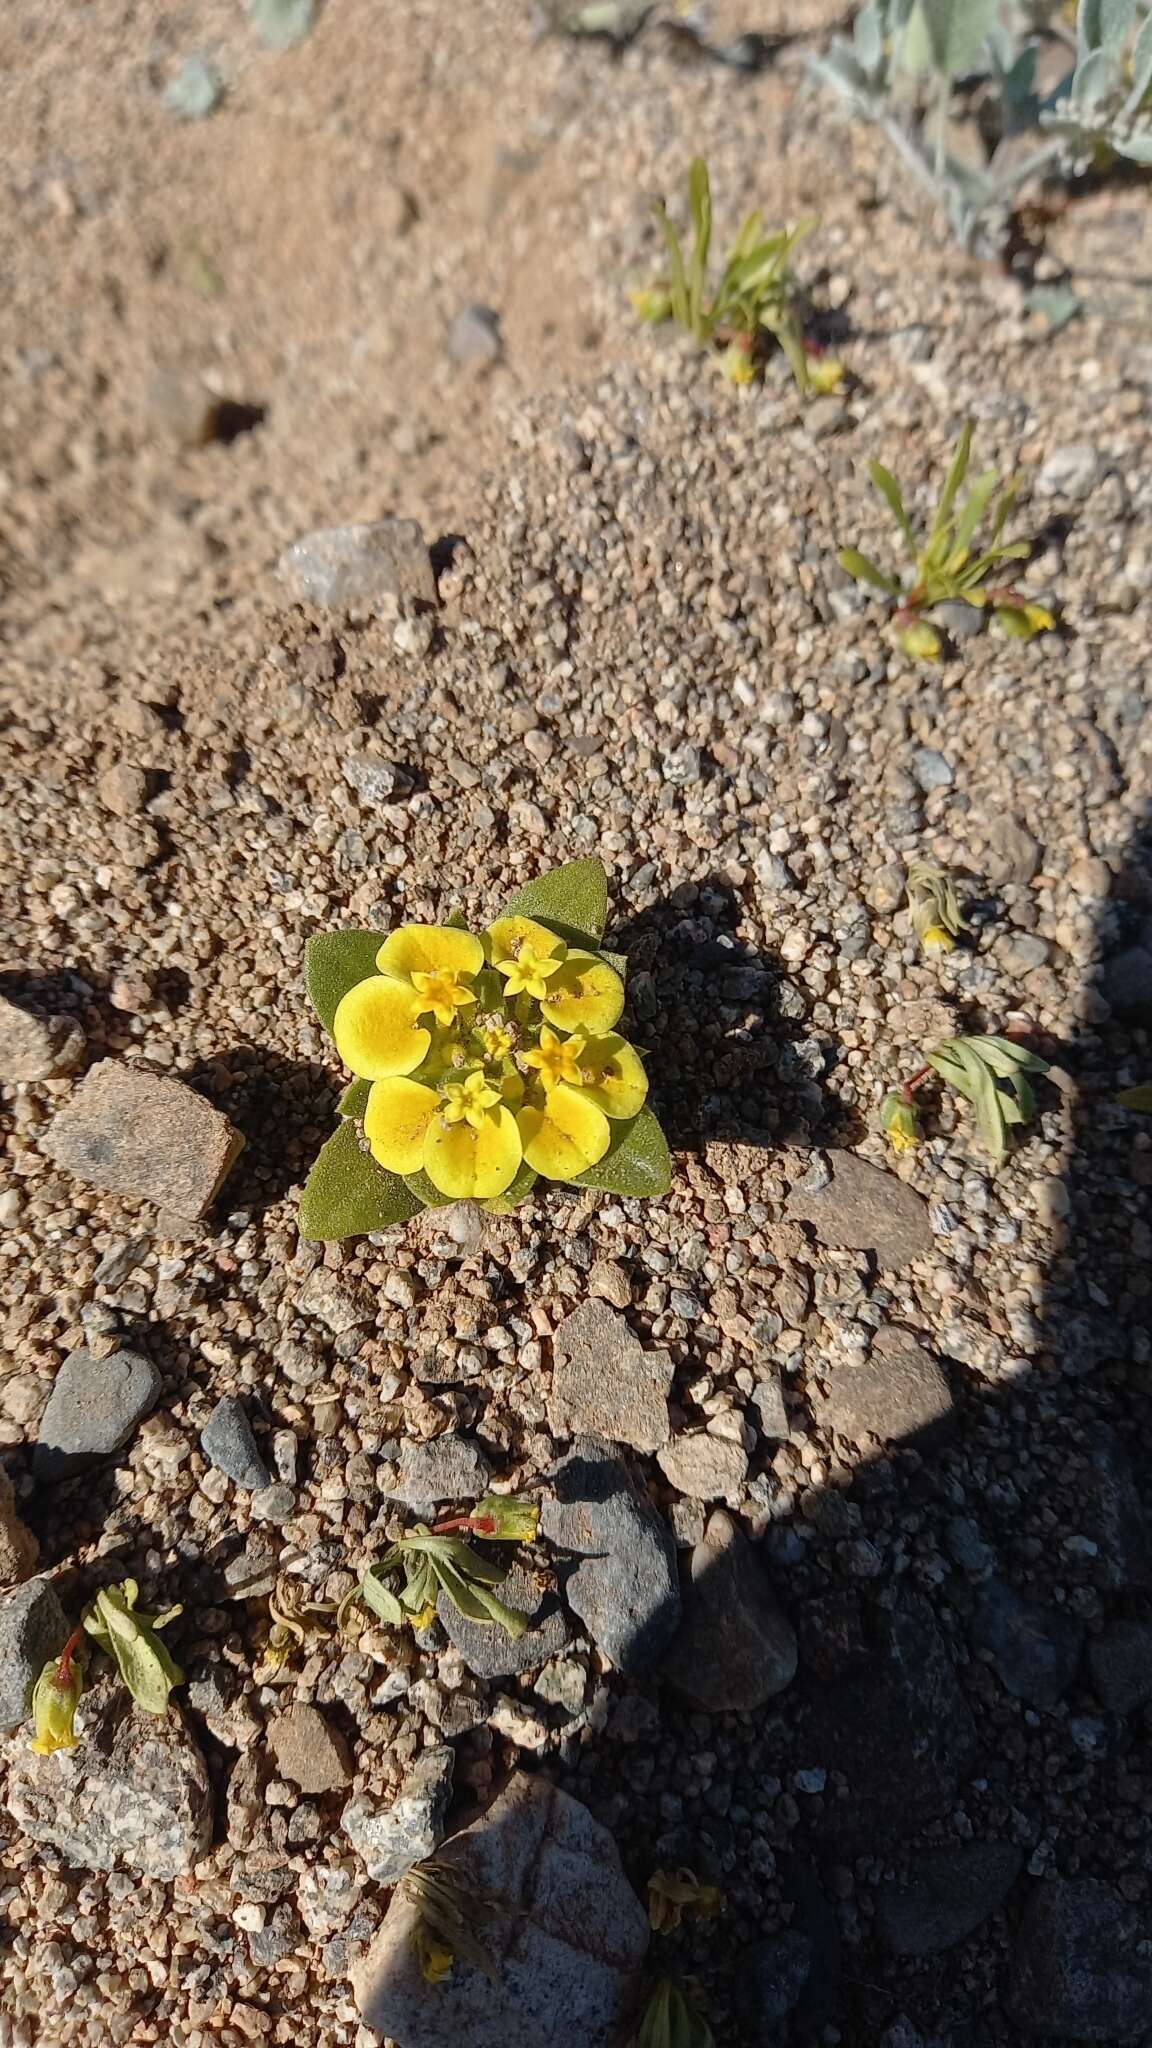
(285, 1109)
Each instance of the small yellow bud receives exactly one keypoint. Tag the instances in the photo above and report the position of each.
(921, 641)
(825, 374)
(55, 1698)
(900, 1121)
(934, 939)
(652, 303)
(503, 1519)
(737, 365)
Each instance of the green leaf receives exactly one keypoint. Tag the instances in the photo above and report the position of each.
(700, 207)
(354, 1100)
(955, 31)
(130, 1639)
(426, 1192)
(884, 482)
(282, 23)
(636, 1162)
(957, 471)
(333, 963)
(1139, 1098)
(573, 896)
(380, 1599)
(975, 506)
(864, 569)
(347, 1194)
(677, 282)
(1141, 75)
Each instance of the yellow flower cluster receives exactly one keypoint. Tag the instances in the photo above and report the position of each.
(487, 1054)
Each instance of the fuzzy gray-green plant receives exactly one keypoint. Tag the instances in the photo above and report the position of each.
(905, 62)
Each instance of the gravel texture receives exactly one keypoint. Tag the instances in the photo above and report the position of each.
(919, 1386)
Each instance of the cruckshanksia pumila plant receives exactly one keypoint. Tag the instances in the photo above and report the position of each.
(945, 566)
(483, 1060)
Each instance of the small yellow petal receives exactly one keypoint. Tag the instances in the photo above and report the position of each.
(375, 1029)
(396, 1123)
(564, 1134)
(509, 935)
(613, 1076)
(430, 948)
(586, 995)
(470, 1163)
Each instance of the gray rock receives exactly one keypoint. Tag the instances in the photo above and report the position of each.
(705, 1467)
(1120, 1662)
(770, 1978)
(1034, 1649)
(734, 1648)
(135, 1133)
(375, 780)
(1128, 982)
(1021, 952)
(18, 1546)
(897, 1391)
(228, 1443)
(567, 1950)
(449, 1468)
(930, 770)
(37, 1048)
(605, 1383)
(949, 1892)
(1014, 855)
(274, 1503)
(1071, 472)
(94, 1406)
(961, 621)
(33, 1627)
(624, 1587)
(769, 1410)
(389, 1840)
(134, 1791)
(474, 338)
(1080, 1966)
(887, 1713)
(865, 1209)
(366, 568)
(490, 1652)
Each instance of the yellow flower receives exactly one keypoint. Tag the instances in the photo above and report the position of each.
(498, 1040)
(462, 1135)
(426, 970)
(563, 1133)
(557, 1059)
(583, 1082)
(1022, 621)
(527, 954)
(468, 1101)
(934, 939)
(672, 1893)
(433, 1955)
(825, 374)
(737, 364)
(55, 1698)
(900, 1121)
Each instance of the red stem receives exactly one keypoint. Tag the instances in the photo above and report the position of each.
(64, 1667)
(481, 1525)
(910, 1087)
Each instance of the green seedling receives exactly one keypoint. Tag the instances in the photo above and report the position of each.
(991, 1073)
(754, 301)
(131, 1640)
(936, 916)
(944, 565)
(673, 2018)
(403, 1588)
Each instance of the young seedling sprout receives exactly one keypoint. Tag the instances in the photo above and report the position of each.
(991, 1072)
(753, 303)
(428, 1562)
(943, 569)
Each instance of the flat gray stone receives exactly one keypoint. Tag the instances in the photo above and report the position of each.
(424, 1476)
(33, 1627)
(605, 1384)
(390, 1839)
(567, 1950)
(1120, 1662)
(491, 1652)
(134, 1791)
(140, 1134)
(865, 1209)
(948, 1893)
(94, 1406)
(705, 1467)
(623, 1585)
(18, 1546)
(734, 1648)
(363, 568)
(1034, 1649)
(309, 1752)
(769, 1411)
(894, 1393)
(228, 1443)
(1080, 1966)
(474, 339)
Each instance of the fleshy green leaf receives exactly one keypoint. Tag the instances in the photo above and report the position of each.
(1139, 1098)
(700, 207)
(379, 1598)
(575, 895)
(426, 1192)
(130, 1639)
(354, 1100)
(865, 570)
(333, 963)
(884, 482)
(957, 471)
(953, 31)
(636, 1162)
(347, 1194)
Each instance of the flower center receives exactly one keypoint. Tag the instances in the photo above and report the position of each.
(557, 1059)
(468, 1101)
(442, 992)
(498, 1041)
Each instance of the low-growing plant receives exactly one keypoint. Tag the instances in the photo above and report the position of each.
(673, 1893)
(116, 1625)
(916, 67)
(992, 1073)
(483, 1061)
(943, 564)
(404, 1586)
(933, 906)
(673, 2018)
(753, 302)
(449, 1917)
